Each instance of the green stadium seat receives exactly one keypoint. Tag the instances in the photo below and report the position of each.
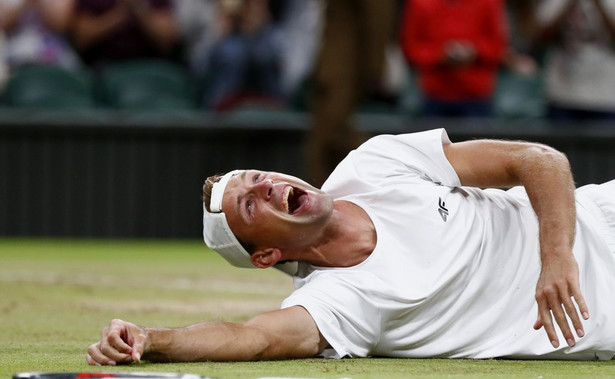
(49, 87)
(147, 85)
(519, 96)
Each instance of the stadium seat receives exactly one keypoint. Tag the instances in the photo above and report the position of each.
(49, 87)
(147, 85)
(519, 96)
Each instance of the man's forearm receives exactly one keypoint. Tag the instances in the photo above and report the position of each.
(284, 333)
(545, 174)
(207, 341)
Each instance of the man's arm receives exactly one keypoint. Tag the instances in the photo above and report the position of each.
(281, 334)
(545, 174)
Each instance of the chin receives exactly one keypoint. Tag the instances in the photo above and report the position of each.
(321, 207)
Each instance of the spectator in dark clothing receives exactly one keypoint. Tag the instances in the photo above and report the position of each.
(245, 61)
(105, 31)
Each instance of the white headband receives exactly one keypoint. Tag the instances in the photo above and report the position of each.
(217, 191)
(218, 235)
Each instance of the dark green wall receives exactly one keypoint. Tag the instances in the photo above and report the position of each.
(108, 174)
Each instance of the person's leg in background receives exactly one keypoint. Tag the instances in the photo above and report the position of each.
(265, 52)
(226, 70)
(350, 64)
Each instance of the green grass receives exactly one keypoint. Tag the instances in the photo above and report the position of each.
(56, 296)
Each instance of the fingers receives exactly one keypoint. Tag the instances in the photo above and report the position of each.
(538, 323)
(580, 300)
(115, 345)
(91, 361)
(96, 357)
(101, 353)
(138, 346)
(545, 320)
(572, 313)
(114, 336)
(554, 304)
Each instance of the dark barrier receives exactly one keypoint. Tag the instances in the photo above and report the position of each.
(108, 174)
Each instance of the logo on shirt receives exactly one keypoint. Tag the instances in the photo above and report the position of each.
(442, 209)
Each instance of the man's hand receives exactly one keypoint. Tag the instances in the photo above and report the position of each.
(121, 342)
(557, 285)
(460, 53)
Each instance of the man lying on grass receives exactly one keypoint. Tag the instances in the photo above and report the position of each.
(405, 252)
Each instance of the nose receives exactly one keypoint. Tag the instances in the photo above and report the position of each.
(264, 189)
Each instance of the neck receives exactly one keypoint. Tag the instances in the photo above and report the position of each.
(350, 240)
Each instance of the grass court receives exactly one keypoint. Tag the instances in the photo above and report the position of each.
(57, 295)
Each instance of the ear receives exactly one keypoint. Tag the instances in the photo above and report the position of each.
(264, 258)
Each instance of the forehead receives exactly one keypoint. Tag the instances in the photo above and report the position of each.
(235, 183)
(230, 199)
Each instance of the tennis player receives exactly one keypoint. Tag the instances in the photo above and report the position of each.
(411, 249)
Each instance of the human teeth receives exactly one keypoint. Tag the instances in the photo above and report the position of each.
(287, 192)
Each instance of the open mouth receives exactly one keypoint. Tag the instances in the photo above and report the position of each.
(293, 199)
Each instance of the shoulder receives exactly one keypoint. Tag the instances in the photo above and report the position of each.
(386, 157)
(412, 139)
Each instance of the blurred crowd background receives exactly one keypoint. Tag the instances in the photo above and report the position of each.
(551, 59)
(112, 112)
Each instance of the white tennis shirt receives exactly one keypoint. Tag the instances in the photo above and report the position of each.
(454, 270)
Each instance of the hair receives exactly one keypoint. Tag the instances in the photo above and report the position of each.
(207, 187)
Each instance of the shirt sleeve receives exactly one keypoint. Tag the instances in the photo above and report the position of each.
(419, 153)
(347, 318)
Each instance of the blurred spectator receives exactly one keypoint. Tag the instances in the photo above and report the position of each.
(241, 60)
(4, 69)
(301, 24)
(580, 61)
(35, 32)
(456, 47)
(198, 30)
(111, 30)
(522, 56)
(349, 67)
(276, 43)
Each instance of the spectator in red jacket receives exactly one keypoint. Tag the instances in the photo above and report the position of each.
(456, 48)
